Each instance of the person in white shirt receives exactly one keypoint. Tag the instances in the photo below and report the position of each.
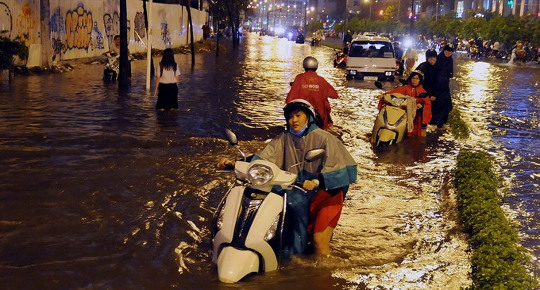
(167, 79)
(410, 57)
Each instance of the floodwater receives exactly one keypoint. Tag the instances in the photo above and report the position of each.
(98, 190)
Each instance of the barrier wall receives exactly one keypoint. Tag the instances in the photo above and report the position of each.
(86, 28)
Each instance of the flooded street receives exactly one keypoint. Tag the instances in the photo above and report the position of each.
(101, 191)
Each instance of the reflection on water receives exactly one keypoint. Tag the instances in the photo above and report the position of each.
(99, 183)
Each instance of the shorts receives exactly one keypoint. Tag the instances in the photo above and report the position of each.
(324, 211)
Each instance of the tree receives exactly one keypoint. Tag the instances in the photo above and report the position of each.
(232, 10)
(218, 14)
(188, 8)
(10, 48)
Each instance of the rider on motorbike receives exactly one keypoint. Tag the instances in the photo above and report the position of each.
(314, 89)
(414, 89)
(326, 180)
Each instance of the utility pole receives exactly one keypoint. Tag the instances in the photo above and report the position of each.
(123, 78)
(149, 60)
(305, 17)
(411, 28)
(437, 11)
(346, 15)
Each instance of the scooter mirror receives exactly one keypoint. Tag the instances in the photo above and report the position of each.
(314, 154)
(378, 85)
(231, 137)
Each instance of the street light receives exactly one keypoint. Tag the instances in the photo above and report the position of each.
(268, 14)
(306, 11)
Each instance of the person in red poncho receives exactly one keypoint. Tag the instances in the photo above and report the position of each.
(316, 90)
(414, 89)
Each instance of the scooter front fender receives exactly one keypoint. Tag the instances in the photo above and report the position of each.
(234, 264)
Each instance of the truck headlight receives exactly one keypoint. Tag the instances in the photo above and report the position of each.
(260, 174)
(272, 230)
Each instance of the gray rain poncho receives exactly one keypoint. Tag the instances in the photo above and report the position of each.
(337, 169)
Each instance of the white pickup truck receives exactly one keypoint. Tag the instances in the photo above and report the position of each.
(371, 57)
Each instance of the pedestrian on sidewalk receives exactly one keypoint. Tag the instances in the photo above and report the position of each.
(167, 82)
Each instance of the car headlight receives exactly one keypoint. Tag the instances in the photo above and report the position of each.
(260, 174)
(272, 230)
(353, 72)
(389, 73)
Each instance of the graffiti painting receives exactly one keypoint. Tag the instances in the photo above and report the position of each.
(112, 26)
(140, 29)
(26, 24)
(79, 25)
(165, 36)
(6, 20)
(97, 37)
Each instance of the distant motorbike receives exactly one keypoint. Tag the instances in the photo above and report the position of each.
(112, 67)
(247, 229)
(340, 60)
(300, 38)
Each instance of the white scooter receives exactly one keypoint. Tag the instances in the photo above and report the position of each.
(248, 223)
(391, 122)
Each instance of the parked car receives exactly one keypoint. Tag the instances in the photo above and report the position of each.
(371, 57)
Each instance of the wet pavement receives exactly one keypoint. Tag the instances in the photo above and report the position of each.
(101, 191)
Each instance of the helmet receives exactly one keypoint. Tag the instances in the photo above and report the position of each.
(310, 63)
(431, 53)
(419, 73)
(299, 104)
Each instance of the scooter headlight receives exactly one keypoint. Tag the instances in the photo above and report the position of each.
(260, 174)
(272, 230)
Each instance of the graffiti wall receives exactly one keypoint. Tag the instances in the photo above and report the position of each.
(86, 28)
(20, 18)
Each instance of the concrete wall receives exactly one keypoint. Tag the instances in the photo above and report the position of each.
(85, 28)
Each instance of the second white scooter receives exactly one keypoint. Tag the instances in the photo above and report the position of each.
(391, 122)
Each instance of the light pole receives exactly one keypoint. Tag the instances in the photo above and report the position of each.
(437, 11)
(411, 28)
(268, 15)
(370, 2)
(306, 11)
(305, 18)
(346, 14)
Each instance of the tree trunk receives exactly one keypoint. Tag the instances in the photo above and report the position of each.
(46, 46)
(231, 23)
(188, 7)
(216, 32)
(123, 78)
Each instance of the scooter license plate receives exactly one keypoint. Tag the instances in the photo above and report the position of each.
(370, 78)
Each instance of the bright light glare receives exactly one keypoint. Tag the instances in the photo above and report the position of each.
(407, 43)
(280, 30)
